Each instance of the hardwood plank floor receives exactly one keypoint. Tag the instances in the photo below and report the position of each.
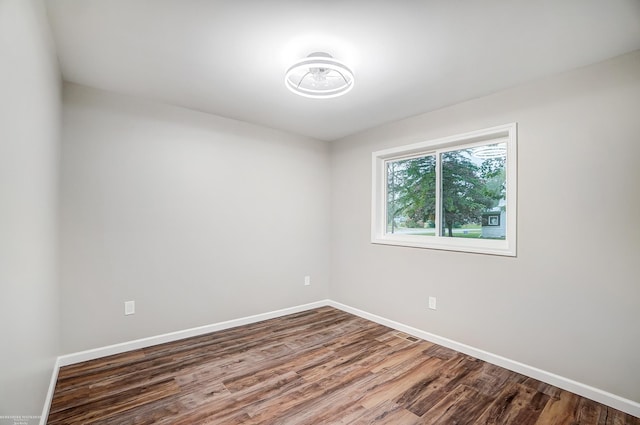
(322, 366)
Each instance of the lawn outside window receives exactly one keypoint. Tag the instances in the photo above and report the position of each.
(457, 193)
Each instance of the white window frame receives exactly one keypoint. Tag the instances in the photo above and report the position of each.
(507, 247)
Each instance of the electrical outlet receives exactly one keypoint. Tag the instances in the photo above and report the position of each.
(432, 303)
(307, 280)
(129, 307)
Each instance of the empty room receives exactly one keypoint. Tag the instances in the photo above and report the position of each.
(319, 212)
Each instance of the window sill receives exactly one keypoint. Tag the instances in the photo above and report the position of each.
(477, 246)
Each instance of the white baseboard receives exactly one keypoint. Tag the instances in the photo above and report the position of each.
(628, 406)
(49, 397)
(109, 350)
(625, 405)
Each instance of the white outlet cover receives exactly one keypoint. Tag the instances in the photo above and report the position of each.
(129, 307)
(307, 280)
(432, 303)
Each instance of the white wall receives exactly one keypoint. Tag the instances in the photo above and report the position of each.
(197, 218)
(568, 304)
(29, 133)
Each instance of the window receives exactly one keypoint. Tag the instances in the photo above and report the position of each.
(457, 193)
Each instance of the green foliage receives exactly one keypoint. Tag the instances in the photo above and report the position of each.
(411, 189)
(493, 172)
(467, 190)
(412, 224)
(464, 194)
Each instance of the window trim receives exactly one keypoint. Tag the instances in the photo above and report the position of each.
(379, 235)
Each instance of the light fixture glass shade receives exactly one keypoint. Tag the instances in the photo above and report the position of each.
(319, 75)
(498, 150)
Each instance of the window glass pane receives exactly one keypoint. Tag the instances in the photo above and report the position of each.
(474, 201)
(411, 196)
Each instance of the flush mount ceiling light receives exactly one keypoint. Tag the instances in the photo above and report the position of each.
(319, 76)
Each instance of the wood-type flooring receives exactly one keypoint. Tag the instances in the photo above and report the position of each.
(321, 366)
